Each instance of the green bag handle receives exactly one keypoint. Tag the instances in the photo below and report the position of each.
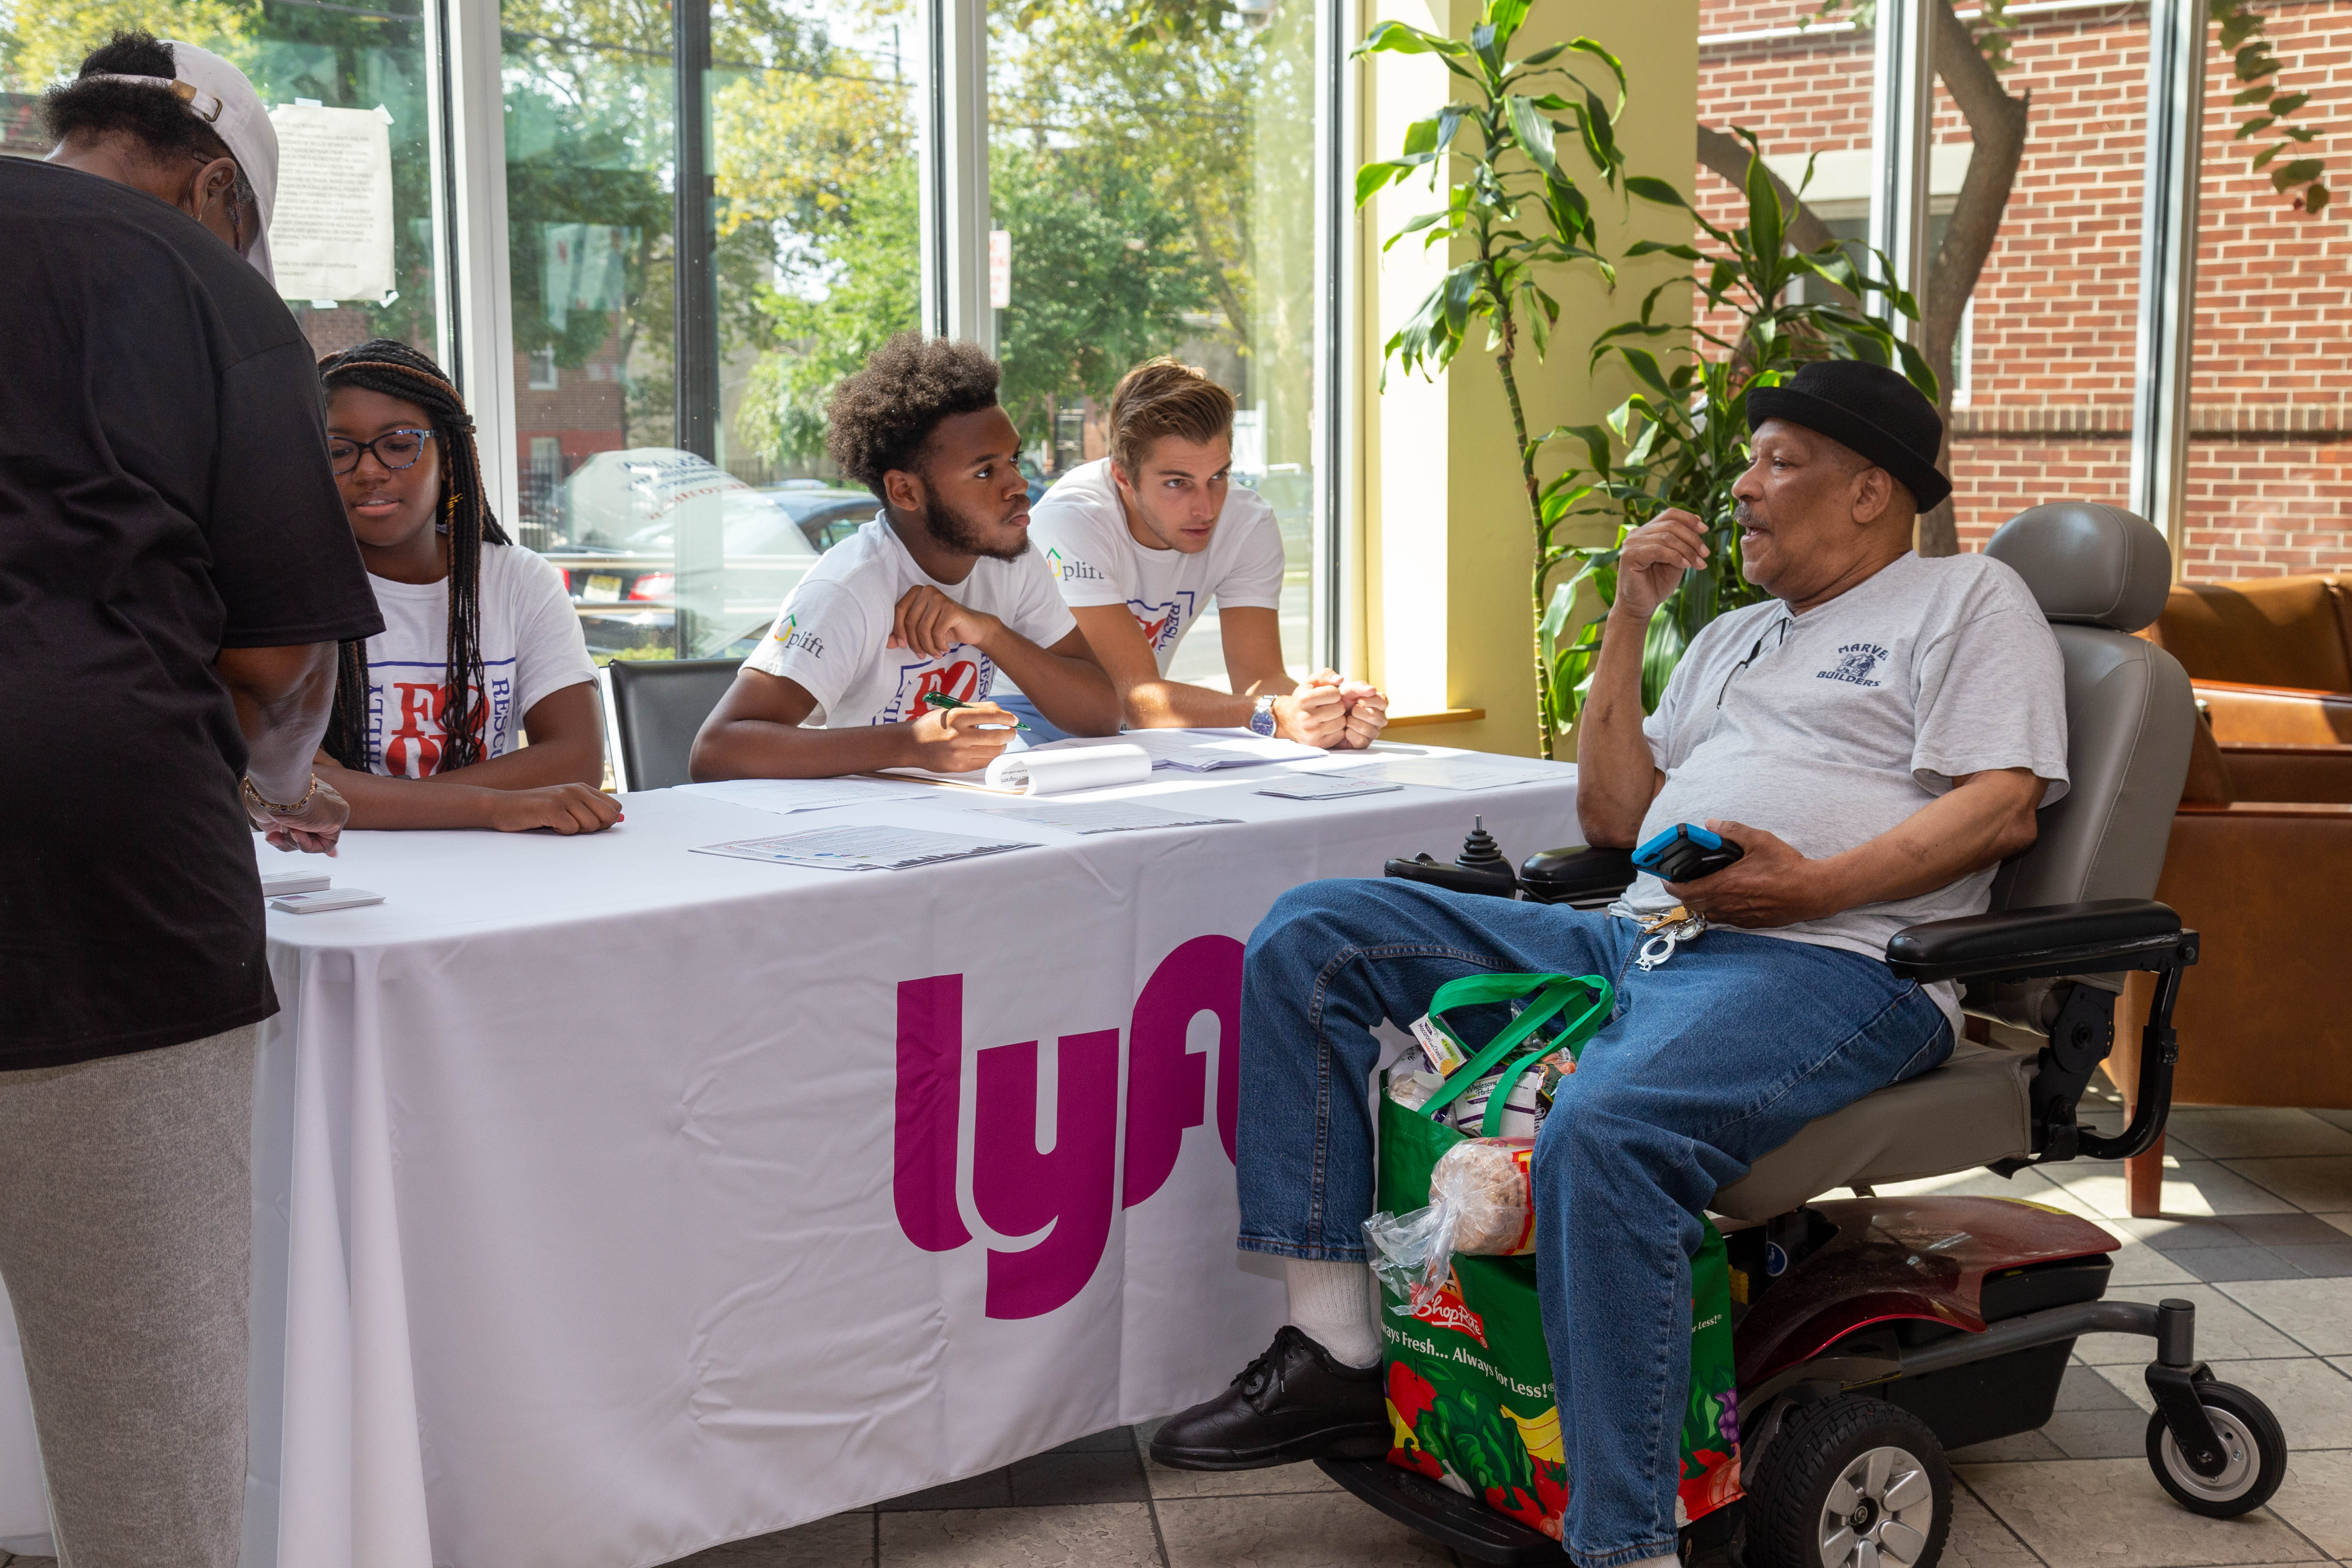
(1552, 994)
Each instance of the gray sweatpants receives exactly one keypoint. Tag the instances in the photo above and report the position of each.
(126, 1229)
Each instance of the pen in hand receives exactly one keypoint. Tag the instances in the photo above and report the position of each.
(943, 700)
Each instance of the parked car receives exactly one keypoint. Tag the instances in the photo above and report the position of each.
(626, 512)
(825, 515)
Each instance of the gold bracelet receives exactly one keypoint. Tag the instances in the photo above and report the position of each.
(297, 809)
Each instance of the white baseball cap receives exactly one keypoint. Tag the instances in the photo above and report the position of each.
(222, 98)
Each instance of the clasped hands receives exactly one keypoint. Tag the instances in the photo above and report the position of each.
(1335, 714)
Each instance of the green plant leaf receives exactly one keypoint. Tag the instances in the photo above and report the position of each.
(2255, 127)
(1651, 189)
(1535, 134)
(1396, 37)
(2314, 200)
(1764, 215)
(2258, 93)
(1585, 45)
(2287, 104)
(1660, 248)
(1662, 650)
(2300, 172)
(1644, 365)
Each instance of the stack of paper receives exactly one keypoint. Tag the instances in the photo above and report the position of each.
(1456, 773)
(1325, 786)
(1101, 815)
(1204, 751)
(785, 796)
(1048, 770)
(854, 849)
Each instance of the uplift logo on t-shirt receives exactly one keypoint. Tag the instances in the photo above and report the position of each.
(1070, 571)
(1856, 663)
(788, 633)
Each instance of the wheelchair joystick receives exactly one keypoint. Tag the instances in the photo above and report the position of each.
(1480, 852)
(1481, 867)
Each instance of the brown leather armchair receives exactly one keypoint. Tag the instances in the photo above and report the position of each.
(2270, 660)
(2265, 1018)
(2260, 851)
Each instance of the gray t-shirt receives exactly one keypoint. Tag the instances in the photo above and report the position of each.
(1830, 727)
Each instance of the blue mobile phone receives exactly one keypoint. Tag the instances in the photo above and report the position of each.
(1685, 853)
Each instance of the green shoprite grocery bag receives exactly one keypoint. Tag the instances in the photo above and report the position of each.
(1469, 1377)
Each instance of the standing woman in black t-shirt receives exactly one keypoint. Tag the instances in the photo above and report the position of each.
(176, 573)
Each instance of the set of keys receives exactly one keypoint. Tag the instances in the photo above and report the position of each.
(1666, 932)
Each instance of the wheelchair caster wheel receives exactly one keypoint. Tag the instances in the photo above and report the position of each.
(2253, 1448)
(1850, 1482)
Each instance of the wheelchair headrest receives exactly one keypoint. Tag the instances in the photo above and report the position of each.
(2088, 564)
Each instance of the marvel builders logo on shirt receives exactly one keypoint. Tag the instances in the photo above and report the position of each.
(1856, 662)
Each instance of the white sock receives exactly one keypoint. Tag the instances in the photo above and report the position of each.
(1671, 1560)
(1331, 1304)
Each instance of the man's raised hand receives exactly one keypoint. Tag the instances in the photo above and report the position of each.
(1652, 561)
(930, 623)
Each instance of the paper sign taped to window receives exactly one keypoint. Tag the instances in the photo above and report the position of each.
(331, 234)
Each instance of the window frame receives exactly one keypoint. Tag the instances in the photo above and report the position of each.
(951, 96)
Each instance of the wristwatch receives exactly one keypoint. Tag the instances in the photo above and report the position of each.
(1262, 717)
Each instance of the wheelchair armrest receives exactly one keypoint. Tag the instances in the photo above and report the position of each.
(1553, 875)
(2096, 938)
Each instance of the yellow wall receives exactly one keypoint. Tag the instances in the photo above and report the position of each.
(1448, 544)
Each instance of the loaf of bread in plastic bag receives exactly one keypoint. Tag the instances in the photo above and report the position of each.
(1483, 1183)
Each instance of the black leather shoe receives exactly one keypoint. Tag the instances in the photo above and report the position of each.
(1293, 1403)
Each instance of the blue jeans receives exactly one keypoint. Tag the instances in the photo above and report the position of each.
(1709, 1061)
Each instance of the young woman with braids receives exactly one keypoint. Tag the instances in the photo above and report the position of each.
(480, 646)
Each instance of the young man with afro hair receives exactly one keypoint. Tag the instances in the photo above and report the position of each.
(937, 594)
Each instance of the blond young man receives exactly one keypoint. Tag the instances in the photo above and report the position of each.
(1141, 540)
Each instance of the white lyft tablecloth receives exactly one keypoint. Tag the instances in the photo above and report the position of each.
(615, 1201)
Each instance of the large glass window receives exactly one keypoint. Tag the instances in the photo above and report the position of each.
(2270, 410)
(1159, 196)
(2054, 320)
(302, 56)
(674, 352)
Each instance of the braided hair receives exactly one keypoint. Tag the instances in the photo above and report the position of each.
(395, 370)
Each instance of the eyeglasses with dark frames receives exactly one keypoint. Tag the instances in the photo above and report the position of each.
(394, 451)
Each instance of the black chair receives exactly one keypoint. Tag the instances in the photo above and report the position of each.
(657, 707)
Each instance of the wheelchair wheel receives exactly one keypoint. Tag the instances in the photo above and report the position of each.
(1850, 1482)
(2252, 1445)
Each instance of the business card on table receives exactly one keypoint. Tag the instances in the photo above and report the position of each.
(325, 900)
(278, 884)
(1325, 786)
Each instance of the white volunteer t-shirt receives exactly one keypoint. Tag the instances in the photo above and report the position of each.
(1082, 530)
(1830, 727)
(829, 637)
(530, 645)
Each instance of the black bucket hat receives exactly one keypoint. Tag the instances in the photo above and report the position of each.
(1868, 408)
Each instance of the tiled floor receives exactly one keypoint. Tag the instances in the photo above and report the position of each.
(2257, 1231)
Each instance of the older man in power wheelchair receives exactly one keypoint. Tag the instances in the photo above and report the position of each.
(1894, 746)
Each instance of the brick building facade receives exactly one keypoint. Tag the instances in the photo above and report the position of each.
(2042, 404)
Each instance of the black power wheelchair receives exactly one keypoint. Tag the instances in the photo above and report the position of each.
(1874, 1334)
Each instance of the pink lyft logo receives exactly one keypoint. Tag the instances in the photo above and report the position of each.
(1016, 1189)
